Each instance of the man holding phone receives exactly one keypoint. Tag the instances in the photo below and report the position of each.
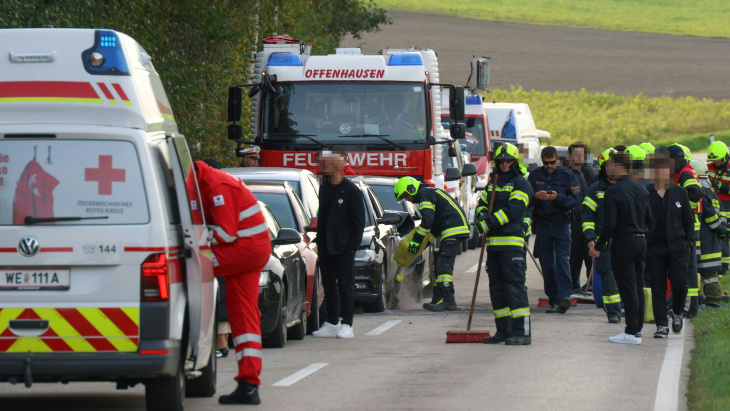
(557, 192)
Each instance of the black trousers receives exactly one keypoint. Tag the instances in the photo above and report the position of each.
(627, 260)
(506, 271)
(578, 253)
(338, 280)
(660, 265)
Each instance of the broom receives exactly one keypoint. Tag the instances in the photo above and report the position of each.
(474, 336)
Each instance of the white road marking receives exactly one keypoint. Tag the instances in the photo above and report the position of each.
(667, 390)
(383, 328)
(473, 269)
(304, 372)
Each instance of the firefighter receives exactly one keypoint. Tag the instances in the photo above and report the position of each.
(239, 234)
(718, 156)
(505, 247)
(647, 147)
(592, 218)
(712, 229)
(250, 156)
(685, 176)
(557, 192)
(444, 218)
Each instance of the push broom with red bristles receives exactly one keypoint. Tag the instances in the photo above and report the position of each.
(474, 336)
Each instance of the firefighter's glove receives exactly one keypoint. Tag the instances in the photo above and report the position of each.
(413, 247)
(481, 226)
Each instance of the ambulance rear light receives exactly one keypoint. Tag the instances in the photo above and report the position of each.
(106, 56)
(406, 59)
(155, 278)
(285, 59)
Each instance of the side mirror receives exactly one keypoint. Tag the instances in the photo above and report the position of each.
(312, 225)
(470, 169)
(452, 174)
(457, 103)
(287, 236)
(235, 132)
(235, 101)
(543, 134)
(481, 186)
(390, 218)
(457, 131)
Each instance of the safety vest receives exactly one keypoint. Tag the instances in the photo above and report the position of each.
(712, 224)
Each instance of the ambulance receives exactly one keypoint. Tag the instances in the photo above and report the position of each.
(384, 109)
(106, 272)
(513, 123)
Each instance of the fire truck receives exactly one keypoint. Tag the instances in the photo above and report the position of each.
(384, 109)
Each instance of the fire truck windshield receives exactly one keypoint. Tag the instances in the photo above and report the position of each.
(368, 112)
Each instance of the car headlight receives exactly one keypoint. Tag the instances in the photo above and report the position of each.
(364, 255)
(264, 278)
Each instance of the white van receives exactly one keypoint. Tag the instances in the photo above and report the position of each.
(105, 268)
(513, 123)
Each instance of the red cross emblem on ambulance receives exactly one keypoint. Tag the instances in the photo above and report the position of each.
(105, 175)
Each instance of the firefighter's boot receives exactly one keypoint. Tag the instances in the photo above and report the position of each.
(504, 331)
(434, 299)
(522, 335)
(712, 289)
(447, 303)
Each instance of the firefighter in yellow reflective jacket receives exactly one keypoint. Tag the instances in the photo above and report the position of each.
(505, 247)
(444, 218)
(717, 169)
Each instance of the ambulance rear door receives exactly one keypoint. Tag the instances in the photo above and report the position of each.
(199, 278)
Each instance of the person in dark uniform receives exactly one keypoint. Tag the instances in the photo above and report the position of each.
(578, 246)
(340, 227)
(626, 219)
(444, 218)
(592, 224)
(669, 243)
(251, 157)
(505, 247)
(556, 193)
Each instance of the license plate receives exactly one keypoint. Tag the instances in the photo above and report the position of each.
(46, 279)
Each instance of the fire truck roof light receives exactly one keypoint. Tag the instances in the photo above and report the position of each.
(406, 59)
(473, 100)
(285, 59)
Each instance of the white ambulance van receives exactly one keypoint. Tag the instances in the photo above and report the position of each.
(105, 265)
(513, 123)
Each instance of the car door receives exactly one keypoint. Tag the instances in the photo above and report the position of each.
(288, 256)
(199, 278)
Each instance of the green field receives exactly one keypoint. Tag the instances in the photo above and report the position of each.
(710, 366)
(602, 120)
(706, 18)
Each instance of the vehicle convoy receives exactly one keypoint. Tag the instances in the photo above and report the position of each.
(385, 109)
(106, 271)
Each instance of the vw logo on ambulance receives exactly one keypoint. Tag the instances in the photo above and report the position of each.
(28, 246)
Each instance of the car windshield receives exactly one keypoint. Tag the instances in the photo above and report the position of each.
(387, 198)
(280, 206)
(332, 111)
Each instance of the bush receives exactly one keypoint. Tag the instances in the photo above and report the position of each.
(201, 47)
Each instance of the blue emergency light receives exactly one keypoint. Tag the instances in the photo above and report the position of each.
(473, 100)
(285, 59)
(406, 59)
(106, 56)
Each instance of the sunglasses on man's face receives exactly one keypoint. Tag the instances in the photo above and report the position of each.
(549, 163)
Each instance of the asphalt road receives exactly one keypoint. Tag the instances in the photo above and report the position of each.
(569, 366)
(554, 58)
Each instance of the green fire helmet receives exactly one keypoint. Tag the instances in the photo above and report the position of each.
(406, 185)
(687, 153)
(506, 152)
(605, 156)
(718, 151)
(648, 148)
(637, 153)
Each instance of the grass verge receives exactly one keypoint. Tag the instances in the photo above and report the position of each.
(706, 18)
(602, 120)
(710, 365)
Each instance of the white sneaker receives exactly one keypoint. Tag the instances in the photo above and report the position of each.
(345, 332)
(624, 338)
(327, 330)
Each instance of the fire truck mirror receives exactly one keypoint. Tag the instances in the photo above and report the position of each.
(235, 101)
(235, 132)
(452, 174)
(458, 131)
(456, 104)
(470, 169)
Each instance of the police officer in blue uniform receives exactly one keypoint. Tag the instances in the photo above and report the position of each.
(556, 193)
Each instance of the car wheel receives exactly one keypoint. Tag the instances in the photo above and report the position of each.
(167, 393)
(378, 306)
(299, 331)
(474, 240)
(277, 339)
(314, 311)
(204, 386)
(465, 244)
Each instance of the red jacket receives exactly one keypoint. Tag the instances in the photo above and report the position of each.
(721, 176)
(234, 218)
(33, 194)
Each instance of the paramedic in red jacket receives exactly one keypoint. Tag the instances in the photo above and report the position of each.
(241, 248)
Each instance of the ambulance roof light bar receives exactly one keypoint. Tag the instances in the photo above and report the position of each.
(285, 60)
(106, 56)
(406, 59)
